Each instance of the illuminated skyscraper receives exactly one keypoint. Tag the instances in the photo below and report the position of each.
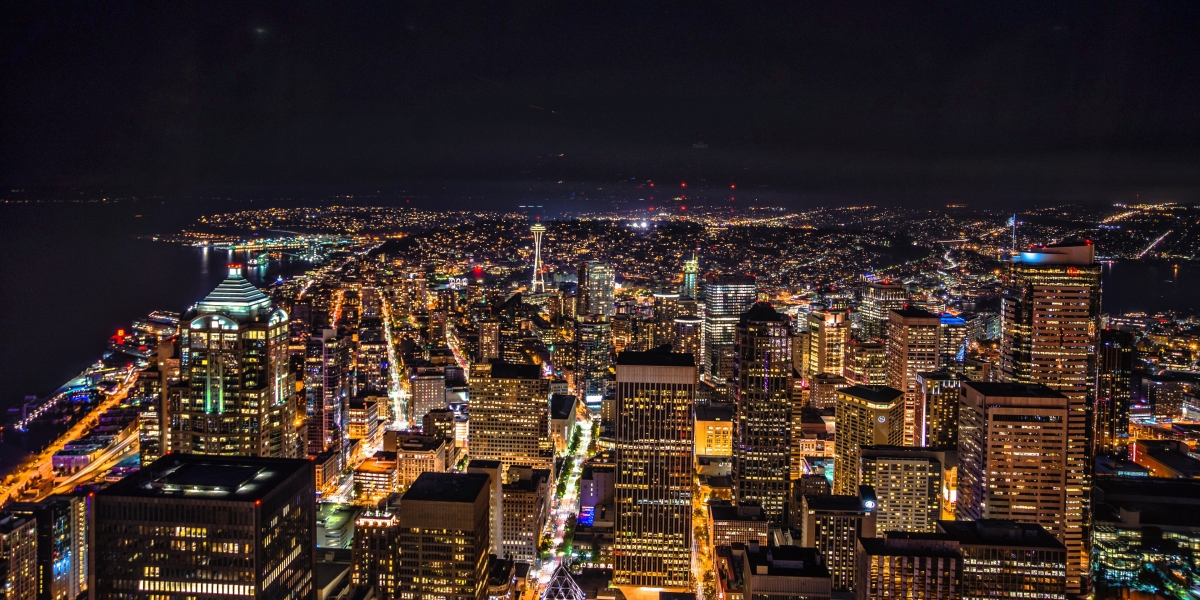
(593, 341)
(597, 287)
(510, 415)
(828, 336)
(489, 340)
(444, 537)
(726, 297)
(237, 395)
(938, 393)
(952, 340)
(539, 283)
(908, 485)
(653, 530)
(18, 556)
(691, 279)
(666, 308)
(878, 300)
(762, 386)
(1114, 366)
(867, 415)
(234, 527)
(688, 334)
(912, 347)
(1051, 307)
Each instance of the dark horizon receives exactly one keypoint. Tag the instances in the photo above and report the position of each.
(1016, 100)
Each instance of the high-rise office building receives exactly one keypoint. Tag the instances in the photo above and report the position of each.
(428, 391)
(597, 286)
(922, 567)
(866, 416)
(61, 544)
(375, 552)
(526, 504)
(1007, 559)
(726, 297)
(878, 300)
(832, 525)
(689, 336)
(593, 342)
(18, 557)
(952, 340)
(689, 288)
(908, 485)
(237, 395)
(1051, 307)
(444, 537)
(206, 526)
(828, 335)
(866, 363)
(784, 573)
(762, 390)
(938, 395)
(489, 340)
(1014, 447)
(912, 347)
(666, 309)
(1114, 368)
(653, 529)
(510, 415)
(326, 392)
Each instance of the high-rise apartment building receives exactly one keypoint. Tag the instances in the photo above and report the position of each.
(1051, 307)
(908, 485)
(828, 336)
(726, 297)
(375, 552)
(597, 286)
(237, 395)
(593, 343)
(18, 557)
(879, 299)
(489, 340)
(762, 389)
(912, 347)
(206, 526)
(866, 416)
(832, 525)
(444, 537)
(1114, 368)
(510, 415)
(666, 309)
(653, 529)
(61, 544)
(428, 391)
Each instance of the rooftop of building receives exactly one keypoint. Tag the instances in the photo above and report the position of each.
(528, 481)
(1013, 390)
(763, 312)
(830, 503)
(784, 561)
(236, 479)
(419, 443)
(914, 313)
(507, 370)
(447, 487)
(235, 295)
(878, 394)
(483, 463)
(562, 406)
(999, 532)
(938, 375)
(903, 543)
(724, 510)
(718, 411)
(908, 452)
(1150, 500)
(657, 357)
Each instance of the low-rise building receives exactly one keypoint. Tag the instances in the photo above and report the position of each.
(729, 523)
(784, 573)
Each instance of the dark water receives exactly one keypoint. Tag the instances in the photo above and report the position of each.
(72, 274)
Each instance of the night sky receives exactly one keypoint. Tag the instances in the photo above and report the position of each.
(169, 96)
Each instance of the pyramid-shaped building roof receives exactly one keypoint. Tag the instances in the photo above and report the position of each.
(235, 296)
(563, 587)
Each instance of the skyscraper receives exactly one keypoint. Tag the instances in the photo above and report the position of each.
(691, 279)
(908, 485)
(867, 415)
(444, 537)
(1001, 557)
(762, 390)
(878, 300)
(1050, 308)
(206, 526)
(923, 567)
(237, 395)
(828, 335)
(832, 525)
(952, 334)
(653, 530)
(938, 393)
(688, 333)
(597, 283)
(1114, 366)
(593, 343)
(666, 309)
(912, 347)
(61, 544)
(726, 297)
(510, 415)
(539, 282)
(18, 556)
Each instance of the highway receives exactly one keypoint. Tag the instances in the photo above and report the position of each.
(98, 467)
(24, 475)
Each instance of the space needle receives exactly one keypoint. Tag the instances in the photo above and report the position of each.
(539, 283)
